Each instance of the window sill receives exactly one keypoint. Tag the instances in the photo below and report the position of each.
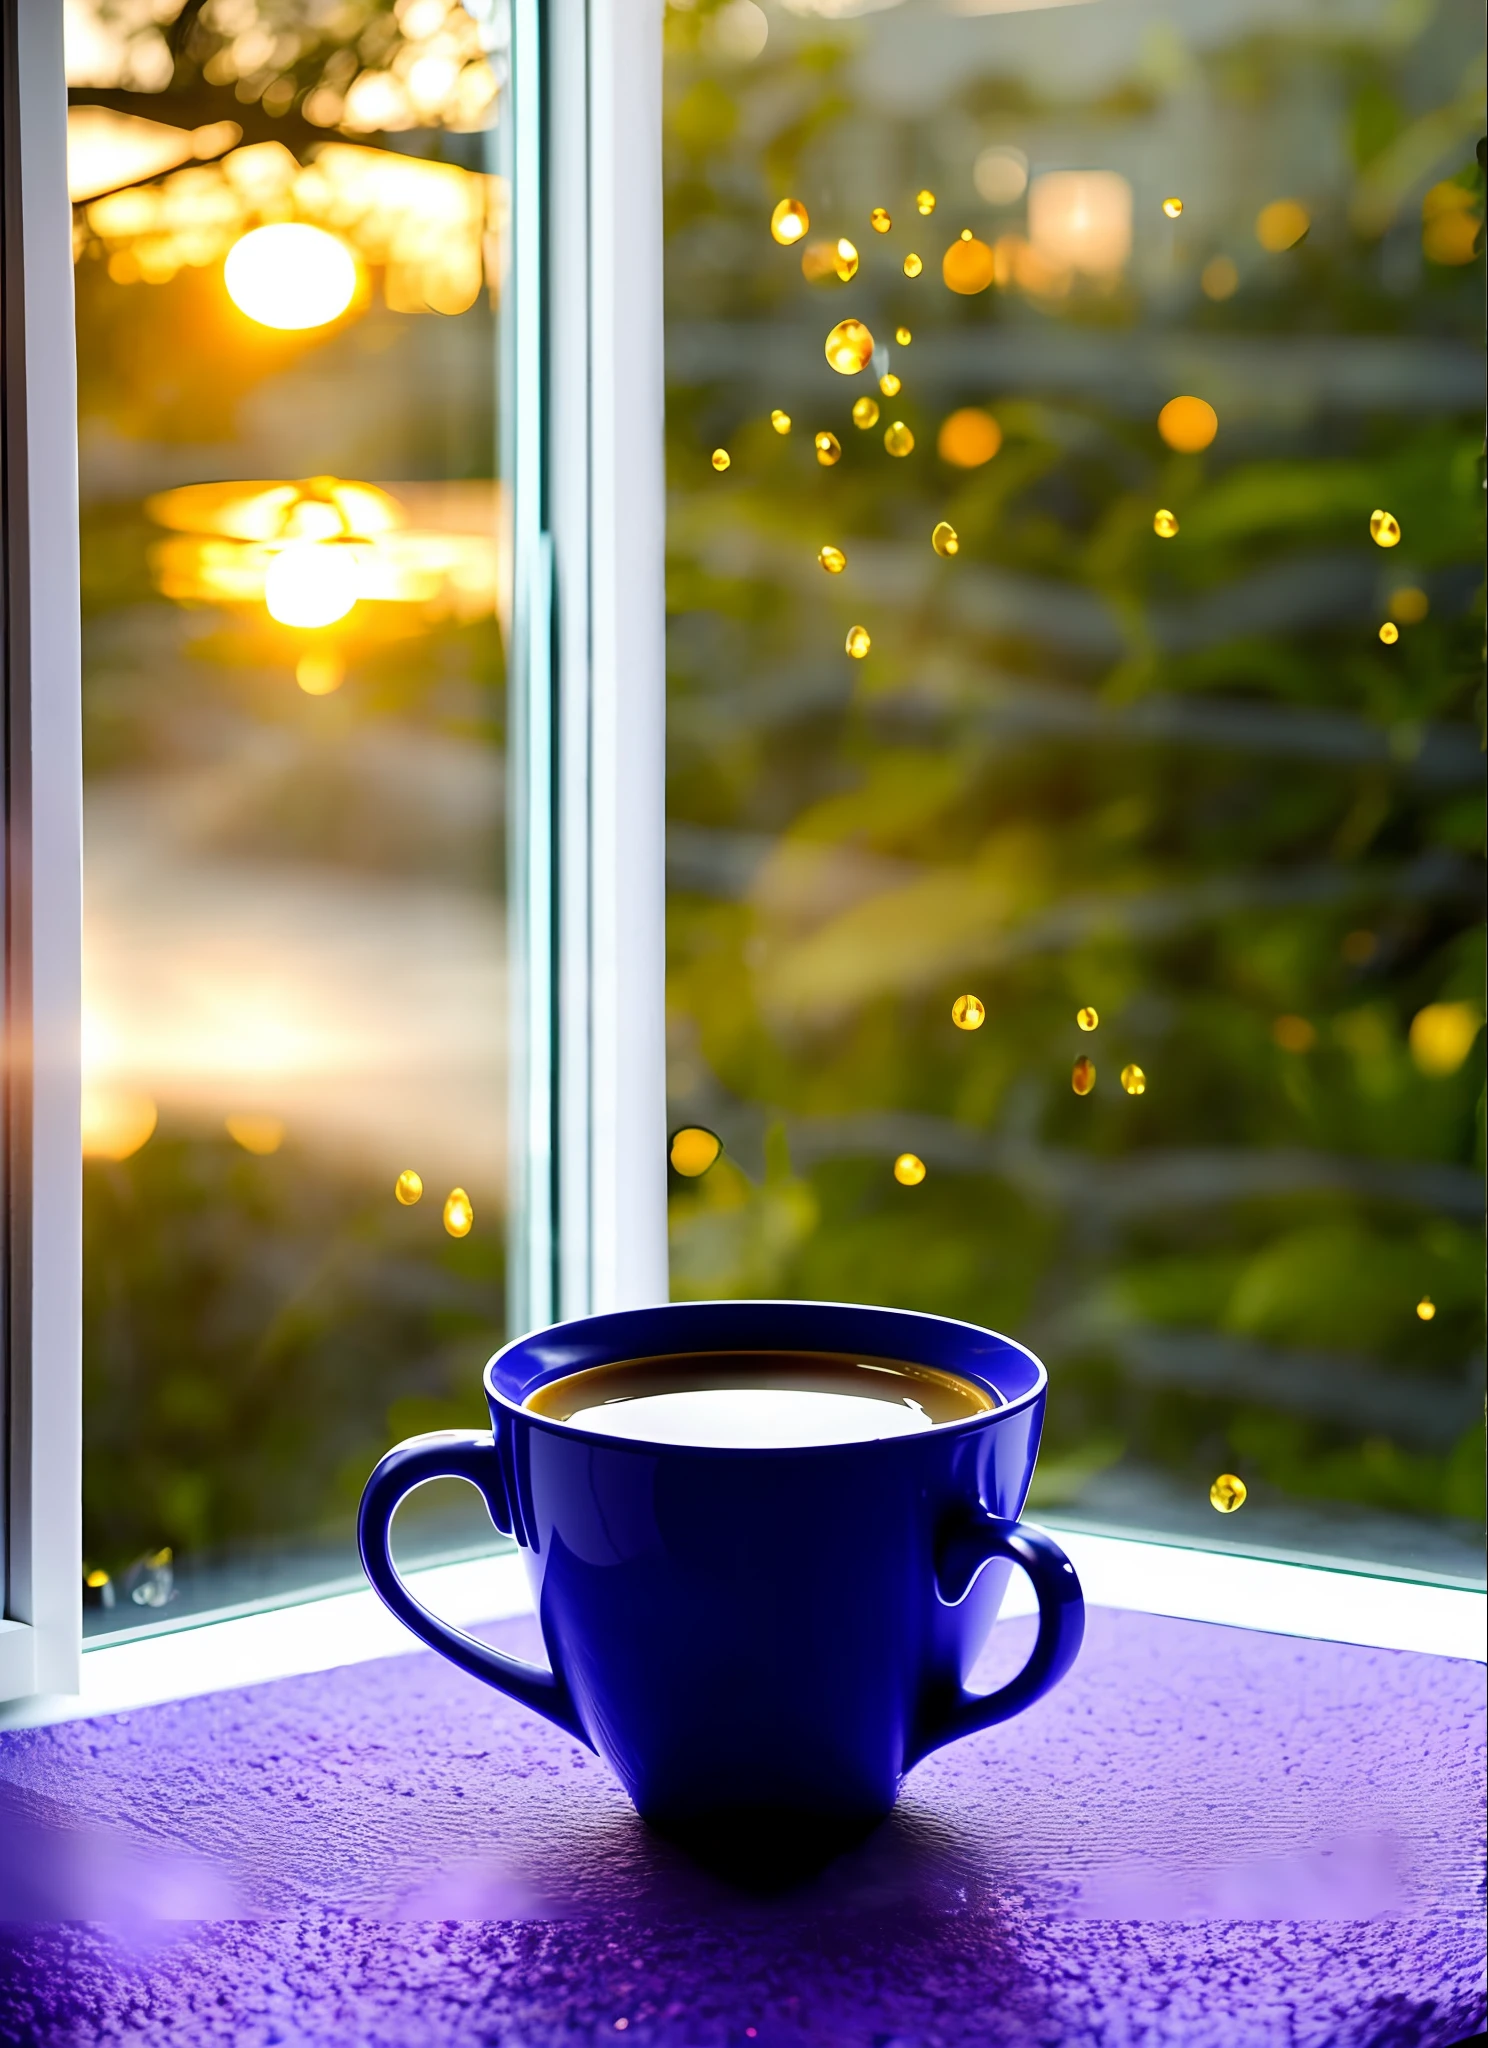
(1262, 1594)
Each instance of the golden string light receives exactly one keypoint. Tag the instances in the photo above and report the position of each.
(828, 449)
(909, 1169)
(903, 336)
(1389, 632)
(789, 222)
(720, 459)
(780, 421)
(1172, 208)
(845, 260)
(1086, 1018)
(832, 559)
(912, 265)
(889, 384)
(1425, 1308)
(1133, 1080)
(858, 642)
(1082, 1077)
(968, 438)
(944, 538)
(693, 1149)
(879, 220)
(967, 266)
(865, 411)
(459, 1216)
(1188, 424)
(408, 1188)
(898, 439)
(1384, 529)
(849, 348)
(1164, 525)
(968, 1013)
(1228, 1493)
(925, 202)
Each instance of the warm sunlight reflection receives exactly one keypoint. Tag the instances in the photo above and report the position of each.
(289, 275)
(313, 583)
(116, 1122)
(1081, 220)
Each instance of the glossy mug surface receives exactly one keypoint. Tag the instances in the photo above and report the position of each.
(782, 1630)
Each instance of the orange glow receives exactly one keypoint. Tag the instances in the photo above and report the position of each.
(116, 1122)
(1188, 424)
(967, 266)
(968, 438)
(1081, 221)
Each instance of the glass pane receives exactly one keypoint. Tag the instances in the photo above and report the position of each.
(1145, 710)
(290, 226)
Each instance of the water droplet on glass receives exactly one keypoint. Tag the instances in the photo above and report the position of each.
(865, 412)
(1087, 1019)
(828, 449)
(1172, 208)
(1384, 529)
(693, 1149)
(1389, 632)
(968, 1013)
(1082, 1080)
(789, 221)
(1425, 1308)
(889, 384)
(408, 1187)
(1133, 1080)
(925, 202)
(909, 1169)
(1228, 1493)
(903, 336)
(832, 560)
(858, 642)
(967, 266)
(849, 347)
(720, 458)
(780, 421)
(898, 439)
(912, 265)
(845, 262)
(1188, 424)
(880, 221)
(944, 538)
(1164, 525)
(459, 1216)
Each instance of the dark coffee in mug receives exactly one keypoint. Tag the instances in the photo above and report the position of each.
(760, 1400)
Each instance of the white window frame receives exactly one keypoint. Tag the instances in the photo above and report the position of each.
(586, 889)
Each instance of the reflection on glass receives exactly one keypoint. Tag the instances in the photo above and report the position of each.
(289, 232)
(1196, 383)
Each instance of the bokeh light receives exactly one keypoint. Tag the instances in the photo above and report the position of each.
(968, 438)
(967, 265)
(849, 348)
(459, 1216)
(311, 583)
(693, 1150)
(909, 1169)
(290, 276)
(789, 221)
(1228, 1493)
(1188, 424)
(408, 1188)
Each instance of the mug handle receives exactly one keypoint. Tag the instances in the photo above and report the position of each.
(453, 1454)
(1061, 1626)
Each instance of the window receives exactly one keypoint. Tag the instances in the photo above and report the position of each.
(293, 236)
(1144, 709)
(489, 769)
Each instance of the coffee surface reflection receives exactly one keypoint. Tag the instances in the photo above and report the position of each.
(760, 1400)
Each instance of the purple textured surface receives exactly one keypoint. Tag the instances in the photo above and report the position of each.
(1204, 1836)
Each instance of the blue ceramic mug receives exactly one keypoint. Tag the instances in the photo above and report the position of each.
(754, 1631)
